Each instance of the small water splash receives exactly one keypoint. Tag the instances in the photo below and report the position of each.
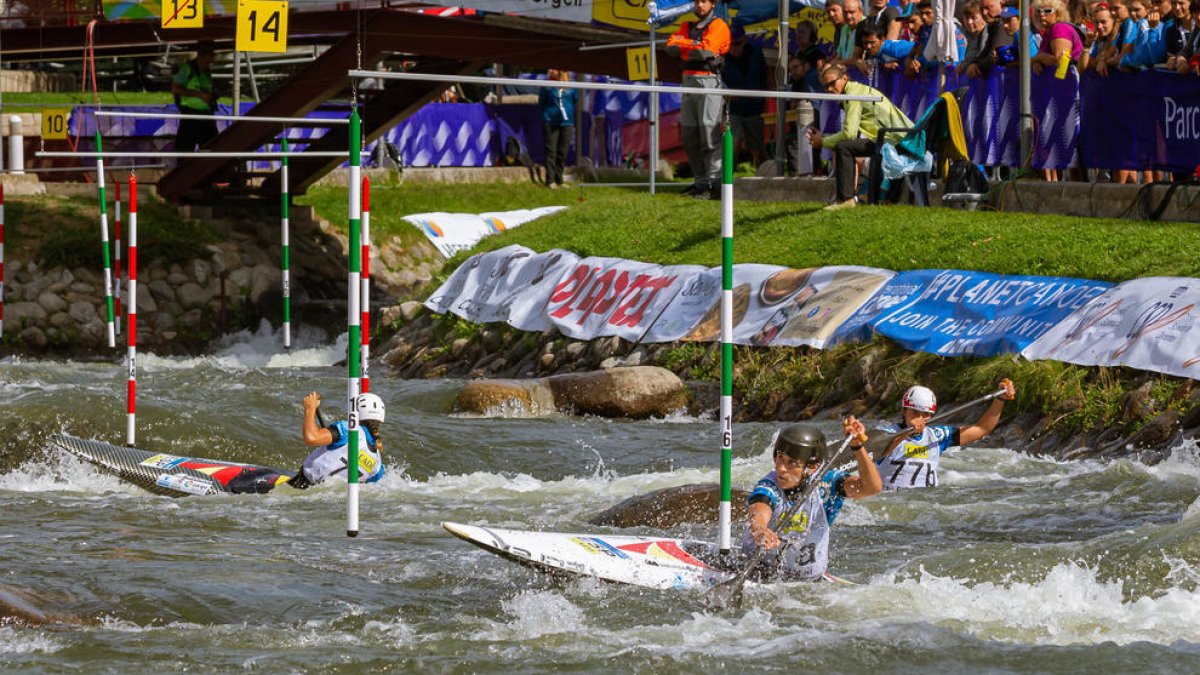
(535, 614)
(1071, 605)
(18, 640)
(62, 472)
(262, 348)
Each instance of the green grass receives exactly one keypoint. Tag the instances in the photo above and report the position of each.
(66, 231)
(669, 229)
(59, 99)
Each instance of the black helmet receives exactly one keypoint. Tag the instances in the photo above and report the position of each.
(803, 442)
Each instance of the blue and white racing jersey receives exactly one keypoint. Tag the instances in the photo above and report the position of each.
(913, 462)
(805, 539)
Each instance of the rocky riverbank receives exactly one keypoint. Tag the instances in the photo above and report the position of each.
(1115, 413)
(227, 286)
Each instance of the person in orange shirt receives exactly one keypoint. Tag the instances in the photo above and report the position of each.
(702, 45)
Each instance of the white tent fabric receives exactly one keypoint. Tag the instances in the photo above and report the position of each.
(941, 47)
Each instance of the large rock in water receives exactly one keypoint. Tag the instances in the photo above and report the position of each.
(638, 393)
(672, 506)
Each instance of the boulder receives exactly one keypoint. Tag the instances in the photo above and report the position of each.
(505, 398)
(17, 312)
(409, 310)
(51, 302)
(638, 392)
(162, 290)
(32, 337)
(193, 295)
(671, 506)
(82, 312)
(145, 300)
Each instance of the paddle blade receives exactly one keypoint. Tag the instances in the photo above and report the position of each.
(725, 595)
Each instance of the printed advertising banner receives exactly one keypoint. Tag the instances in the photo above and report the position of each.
(614, 296)
(453, 232)
(1145, 323)
(955, 312)
(1157, 124)
(510, 284)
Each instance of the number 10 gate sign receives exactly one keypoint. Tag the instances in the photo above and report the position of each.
(262, 25)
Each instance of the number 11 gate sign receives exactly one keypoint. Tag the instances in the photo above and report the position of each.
(262, 26)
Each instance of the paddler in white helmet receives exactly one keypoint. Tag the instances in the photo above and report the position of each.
(912, 461)
(799, 451)
(331, 456)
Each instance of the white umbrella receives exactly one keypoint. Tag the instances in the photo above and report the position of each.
(941, 46)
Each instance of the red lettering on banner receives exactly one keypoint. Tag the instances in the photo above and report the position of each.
(575, 283)
(623, 316)
(602, 304)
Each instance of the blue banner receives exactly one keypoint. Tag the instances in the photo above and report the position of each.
(1155, 126)
(956, 312)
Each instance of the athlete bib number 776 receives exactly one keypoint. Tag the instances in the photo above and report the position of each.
(918, 466)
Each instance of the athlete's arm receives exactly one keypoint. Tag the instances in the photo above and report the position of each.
(760, 530)
(867, 482)
(987, 422)
(309, 431)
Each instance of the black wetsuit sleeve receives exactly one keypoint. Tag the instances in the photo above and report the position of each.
(337, 435)
(758, 499)
(839, 488)
(955, 436)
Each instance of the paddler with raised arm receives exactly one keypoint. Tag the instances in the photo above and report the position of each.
(331, 455)
(911, 461)
(799, 451)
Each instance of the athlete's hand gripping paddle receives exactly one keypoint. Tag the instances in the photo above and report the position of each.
(728, 593)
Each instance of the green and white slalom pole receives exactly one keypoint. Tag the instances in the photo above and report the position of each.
(108, 281)
(726, 336)
(353, 289)
(286, 253)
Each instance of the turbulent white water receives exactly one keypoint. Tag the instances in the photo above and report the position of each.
(1014, 564)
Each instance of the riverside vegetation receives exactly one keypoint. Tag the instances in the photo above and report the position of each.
(1061, 409)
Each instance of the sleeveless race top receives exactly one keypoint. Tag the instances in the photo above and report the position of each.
(805, 540)
(331, 459)
(913, 462)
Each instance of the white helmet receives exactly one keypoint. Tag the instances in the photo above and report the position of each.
(370, 407)
(920, 399)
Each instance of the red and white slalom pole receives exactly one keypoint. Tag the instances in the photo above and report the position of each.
(365, 296)
(117, 257)
(131, 332)
(1, 260)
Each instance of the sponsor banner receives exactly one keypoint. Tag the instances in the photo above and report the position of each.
(956, 312)
(510, 284)
(579, 11)
(454, 232)
(811, 315)
(613, 296)
(1144, 323)
(759, 292)
(1157, 124)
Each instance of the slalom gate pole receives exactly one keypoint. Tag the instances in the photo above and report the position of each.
(108, 280)
(726, 506)
(366, 283)
(117, 255)
(353, 362)
(131, 323)
(286, 249)
(1, 260)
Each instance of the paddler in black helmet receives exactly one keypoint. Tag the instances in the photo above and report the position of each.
(799, 451)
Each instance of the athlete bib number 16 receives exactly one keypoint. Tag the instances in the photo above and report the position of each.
(262, 25)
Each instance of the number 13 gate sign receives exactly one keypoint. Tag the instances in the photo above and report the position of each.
(262, 25)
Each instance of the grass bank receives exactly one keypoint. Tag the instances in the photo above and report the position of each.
(788, 383)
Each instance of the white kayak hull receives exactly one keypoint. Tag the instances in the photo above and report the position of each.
(646, 561)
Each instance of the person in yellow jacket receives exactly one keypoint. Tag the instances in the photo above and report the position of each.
(192, 86)
(863, 119)
(702, 45)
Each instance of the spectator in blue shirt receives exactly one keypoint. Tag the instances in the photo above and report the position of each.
(558, 121)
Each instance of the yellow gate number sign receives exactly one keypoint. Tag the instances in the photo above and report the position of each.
(183, 14)
(638, 59)
(262, 26)
(54, 123)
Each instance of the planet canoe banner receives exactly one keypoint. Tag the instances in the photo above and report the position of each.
(957, 312)
(614, 296)
(510, 284)
(453, 232)
(1144, 323)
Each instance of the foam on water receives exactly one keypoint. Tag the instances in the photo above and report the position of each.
(262, 348)
(1071, 605)
(19, 640)
(62, 472)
